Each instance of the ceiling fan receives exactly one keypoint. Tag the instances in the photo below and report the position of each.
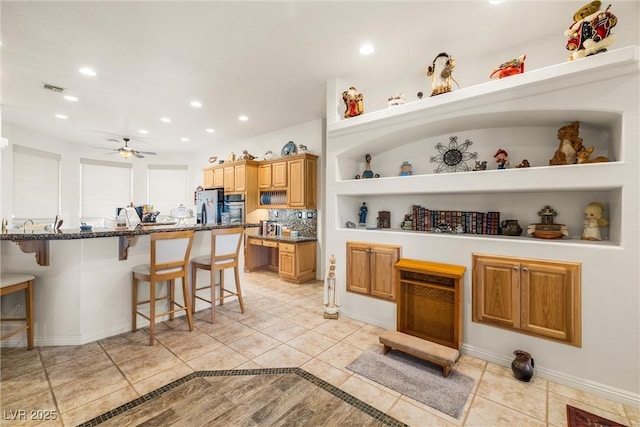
(126, 151)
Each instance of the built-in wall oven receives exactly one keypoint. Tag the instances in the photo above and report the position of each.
(234, 206)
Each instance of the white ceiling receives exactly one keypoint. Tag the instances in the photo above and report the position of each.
(268, 60)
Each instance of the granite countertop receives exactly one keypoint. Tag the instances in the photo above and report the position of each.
(285, 239)
(71, 234)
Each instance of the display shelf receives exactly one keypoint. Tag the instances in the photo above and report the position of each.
(581, 72)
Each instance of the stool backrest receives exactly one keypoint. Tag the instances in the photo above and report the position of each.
(225, 245)
(170, 253)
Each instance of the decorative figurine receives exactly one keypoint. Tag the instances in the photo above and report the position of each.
(501, 158)
(440, 72)
(363, 214)
(398, 99)
(269, 155)
(524, 164)
(584, 153)
(330, 299)
(384, 219)
(368, 173)
(453, 157)
(246, 155)
(570, 144)
(509, 68)
(231, 157)
(590, 32)
(593, 220)
(302, 148)
(480, 166)
(405, 168)
(213, 159)
(353, 102)
(546, 229)
(407, 224)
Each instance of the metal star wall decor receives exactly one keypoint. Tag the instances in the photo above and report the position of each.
(453, 158)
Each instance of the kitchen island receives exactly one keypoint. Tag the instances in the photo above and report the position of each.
(82, 292)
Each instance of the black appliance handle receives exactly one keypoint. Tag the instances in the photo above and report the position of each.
(204, 213)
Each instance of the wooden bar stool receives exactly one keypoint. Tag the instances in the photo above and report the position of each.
(225, 250)
(169, 261)
(14, 282)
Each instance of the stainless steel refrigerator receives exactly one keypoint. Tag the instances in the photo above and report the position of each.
(209, 205)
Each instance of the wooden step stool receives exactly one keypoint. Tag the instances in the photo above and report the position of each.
(422, 349)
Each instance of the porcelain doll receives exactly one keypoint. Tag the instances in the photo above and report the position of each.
(440, 72)
(501, 158)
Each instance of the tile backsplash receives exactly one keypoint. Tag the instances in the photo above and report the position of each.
(304, 220)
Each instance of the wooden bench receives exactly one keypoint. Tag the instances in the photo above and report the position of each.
(426, 350)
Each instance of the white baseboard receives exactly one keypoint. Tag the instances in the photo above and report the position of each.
(592, 387)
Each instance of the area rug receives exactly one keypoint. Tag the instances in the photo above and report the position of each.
(580, 418)
(258, 397)
(417, 379)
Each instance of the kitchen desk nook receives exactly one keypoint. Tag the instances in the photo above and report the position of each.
(294, 258)
(84, 277)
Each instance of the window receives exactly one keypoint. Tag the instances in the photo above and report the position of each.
(36, 184)
(104, 186)
(167, 187)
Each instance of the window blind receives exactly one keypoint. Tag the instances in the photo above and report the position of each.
(104, 186)
(167, 187)
(36, 184)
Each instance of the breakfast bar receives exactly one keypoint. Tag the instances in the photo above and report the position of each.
(83, 278)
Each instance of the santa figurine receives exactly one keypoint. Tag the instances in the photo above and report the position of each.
(590, 32)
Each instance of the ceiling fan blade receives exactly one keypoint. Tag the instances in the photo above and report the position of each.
(147, 152)
(138, 155)
(102, 148)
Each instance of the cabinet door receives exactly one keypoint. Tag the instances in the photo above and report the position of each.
(240, 178)
(287, 264)
(358, 268)
(296, 196)
(382, 273)
(279, 175)
(218, 178)
(550, 300)
(229, 179)
(208, 178)
(264, 176)
(496, 294)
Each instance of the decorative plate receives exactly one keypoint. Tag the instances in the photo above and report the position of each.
(288, 149)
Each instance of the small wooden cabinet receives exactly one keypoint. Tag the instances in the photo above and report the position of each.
(430, 301)
(536, 297)
(218, 178)
(272, 175)
(302, 182)
(370, 269)
(294, 262)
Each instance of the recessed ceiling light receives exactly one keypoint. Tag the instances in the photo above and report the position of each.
(62, 116)
(196, 104)
(366, 49)
(71, 98)
(87, 71)
(165, 120)
(209, 130)
(143, 131)
(184, 139)
(243, 118)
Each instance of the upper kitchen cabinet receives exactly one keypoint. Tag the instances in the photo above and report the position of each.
(302, 181)
(288, 182)
(213, 177)
(240, 176)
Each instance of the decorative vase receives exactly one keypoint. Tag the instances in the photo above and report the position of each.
(522, 366)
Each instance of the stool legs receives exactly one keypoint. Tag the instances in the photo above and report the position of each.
(28, 296)
(238, 290)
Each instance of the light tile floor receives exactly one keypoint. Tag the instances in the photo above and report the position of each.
(282, 326)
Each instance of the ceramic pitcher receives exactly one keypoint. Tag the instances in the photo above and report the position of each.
(522, 366)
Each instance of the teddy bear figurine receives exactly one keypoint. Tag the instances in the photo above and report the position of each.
(593, 220)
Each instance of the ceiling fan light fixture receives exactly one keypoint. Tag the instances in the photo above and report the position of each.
(126, 154)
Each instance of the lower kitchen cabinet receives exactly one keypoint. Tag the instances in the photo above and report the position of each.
(536, 297)
(294, 262)
(370, 269)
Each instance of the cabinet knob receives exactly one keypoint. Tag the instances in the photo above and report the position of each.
(525, 269)
(516, 268)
